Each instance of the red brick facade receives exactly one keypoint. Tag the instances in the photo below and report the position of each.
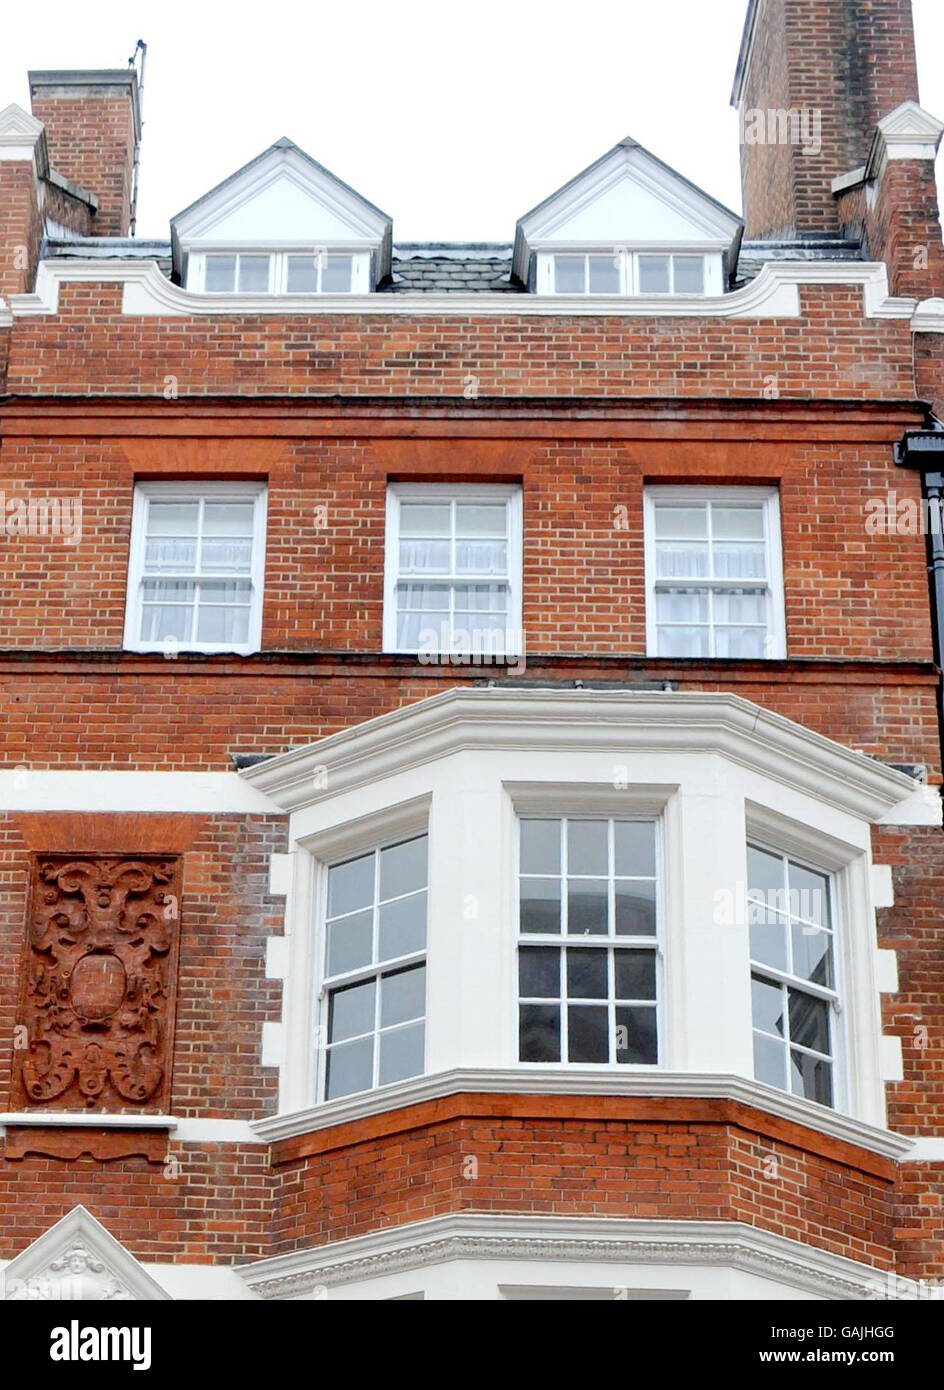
(583, 412)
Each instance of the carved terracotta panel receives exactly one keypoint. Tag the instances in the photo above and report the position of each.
(98, 984)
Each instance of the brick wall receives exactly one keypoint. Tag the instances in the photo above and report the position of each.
(90, 133)
(20, 231)
(852, 61)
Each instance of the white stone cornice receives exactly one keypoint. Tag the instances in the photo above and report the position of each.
(929, 317)
(775, 293)
(614, 1240)
(548, 1081)
(582, 720)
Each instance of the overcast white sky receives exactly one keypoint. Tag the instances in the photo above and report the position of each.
(455, 119)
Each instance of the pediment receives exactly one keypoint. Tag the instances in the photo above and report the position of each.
(20, 133)
(282, 198)
(77, 1260)
(911, 120)
(628, 197)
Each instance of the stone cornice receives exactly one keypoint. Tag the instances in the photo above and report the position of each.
(651, 1085)
(554, 720)
(495, 1236)
(775, 293)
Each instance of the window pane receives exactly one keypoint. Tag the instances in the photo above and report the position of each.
(586, 975)
(228, 518)
(636, 1035)
(402, 926)
(481, 519)
(685, 606)
(741, 606)
(218, 624)
(401, 1053)
(684, 641)
(737, 523)
(229, 556)
(587, 1039)
(604, 275)
(350, 943)
(351, 1011)
(654, 275)
(682, 559)
(403, 868)
(350, 1068)
(220, 273)
(812, 954)
(811, 1077)
(635, 908)
(170, 554)
(739, 560)
(681, 523)
(809, 894)
(166, 624)
(540, 846)
(635, 848)
(586, 907)
(173, 518)
(426, 557)
(402, 996)
(569, 275)
(254, 274)
(635, 974)
(540, 905)
(425, 519)
(689, 272)
(351, 885)
(770, 1062)
(336, 277)
(490, 600)
(539, 972)
(539, 1033)
(809, 1021)
(767, 1007)
(587, 847)
(481, 557)
(302, 275)
(741, 643)
(767, 898)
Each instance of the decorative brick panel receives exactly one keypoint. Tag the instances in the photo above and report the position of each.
(95, 1025)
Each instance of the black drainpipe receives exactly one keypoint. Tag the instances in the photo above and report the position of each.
(924, 450)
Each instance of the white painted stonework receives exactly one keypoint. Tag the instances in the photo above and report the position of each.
(77, 1260)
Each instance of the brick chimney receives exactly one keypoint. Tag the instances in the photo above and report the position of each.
(814, 79)
(93, 126)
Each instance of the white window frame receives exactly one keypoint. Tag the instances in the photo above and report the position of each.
(562, 940)
(278, 268)
(510, 493)
(206, 489)
(833, 997)
(628, 266)
(775, 644)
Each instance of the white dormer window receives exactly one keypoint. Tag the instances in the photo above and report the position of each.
(625, 272)
(283, 272)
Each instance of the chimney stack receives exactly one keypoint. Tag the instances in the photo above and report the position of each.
(93, 125)
(814, 79)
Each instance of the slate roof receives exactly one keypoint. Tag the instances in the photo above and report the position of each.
(444, 267)
(463, 267)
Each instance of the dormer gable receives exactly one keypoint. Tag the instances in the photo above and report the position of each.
(628, 224)
(283, 224)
